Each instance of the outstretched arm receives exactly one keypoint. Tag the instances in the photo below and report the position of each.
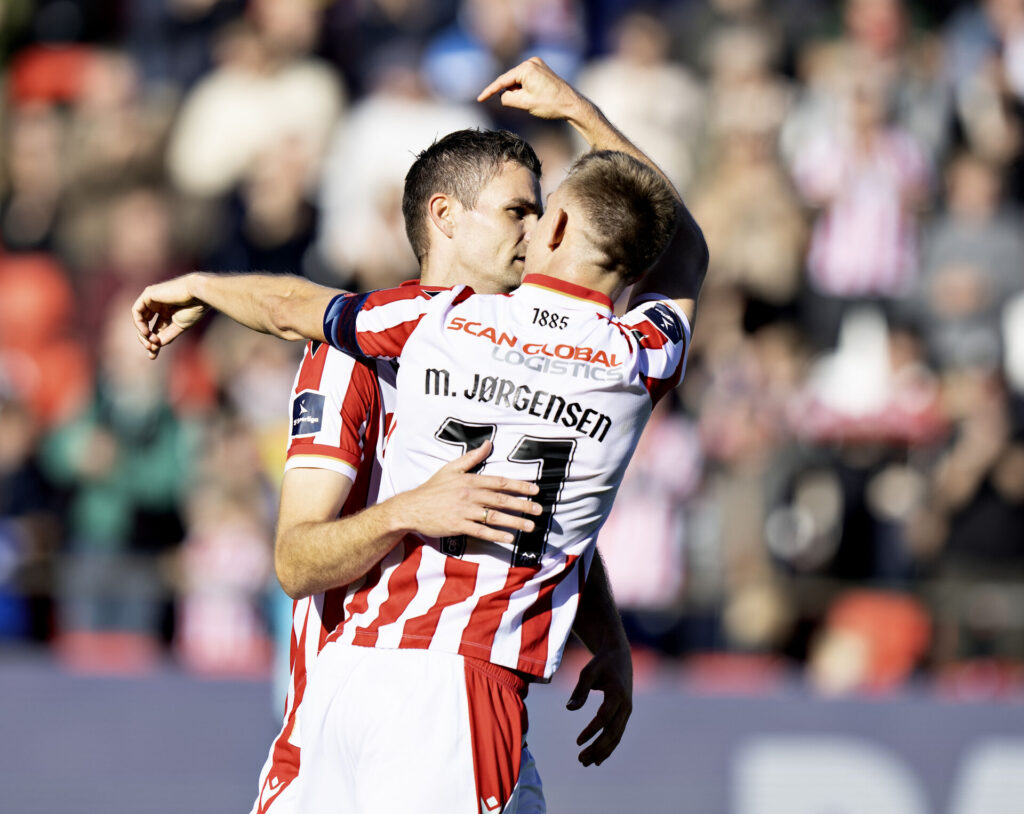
(532, 86)
(315, 550)
(283, 305)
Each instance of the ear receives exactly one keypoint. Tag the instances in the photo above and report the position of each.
(440, 208)
(558, 229)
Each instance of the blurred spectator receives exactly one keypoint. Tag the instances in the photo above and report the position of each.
(696, 27)
(972, 264)
(28, 533)
(116, 131)
(974, 511)
(42, 363)
(35, 176)
(271, 224)
(255, 374)
(984, 41)
(869, 180)
(172, 41)
(225, 563)
(877, 49)
(656, 102)
(355, 34)
(362, 232)
(226, 560)
(491, 36)
(265, 89)
(644, 540)
(744, 202)
(124, 248)
(123, 462)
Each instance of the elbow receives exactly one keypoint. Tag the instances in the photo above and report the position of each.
(291, 586)
(288, 576)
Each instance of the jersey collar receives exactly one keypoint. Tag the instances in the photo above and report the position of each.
(567, 289)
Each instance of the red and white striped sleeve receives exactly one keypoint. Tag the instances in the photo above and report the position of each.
(375, 325)
(335, 400)
(662, 332)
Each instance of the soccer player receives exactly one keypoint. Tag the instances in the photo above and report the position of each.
(468, 616)
(340, 408)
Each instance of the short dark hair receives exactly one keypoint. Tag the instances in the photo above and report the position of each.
(630, 209)
(460, 164)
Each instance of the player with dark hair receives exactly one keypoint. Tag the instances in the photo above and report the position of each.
(547, 381)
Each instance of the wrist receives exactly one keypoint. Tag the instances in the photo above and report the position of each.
(195, 285)
(582, 114)
(393, 516)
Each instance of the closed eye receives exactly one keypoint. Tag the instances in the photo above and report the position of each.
(521, 208)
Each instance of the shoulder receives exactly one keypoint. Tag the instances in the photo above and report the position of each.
(656, 322)
(326, 369)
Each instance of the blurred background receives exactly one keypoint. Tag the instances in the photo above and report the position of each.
(819, 546)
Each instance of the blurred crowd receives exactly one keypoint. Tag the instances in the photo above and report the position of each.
(836, 488)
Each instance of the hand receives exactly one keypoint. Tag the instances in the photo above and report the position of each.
(455, 501)
(165, 311)
(611, 672)
(532, 86)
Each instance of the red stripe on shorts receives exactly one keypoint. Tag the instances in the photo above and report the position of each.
(497, 723)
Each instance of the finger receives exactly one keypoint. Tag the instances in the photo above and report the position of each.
(497, 483)
(142, 314)
(515, 98)
(601, 719)
(149, 347)
(471, 459)
(167, 334)
(581, 692)
(492, 535)
(599, 751)
(509, 521)
(507, 80)
(605, 744)
(499, 500)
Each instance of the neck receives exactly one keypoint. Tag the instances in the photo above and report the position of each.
(583, 274)
(437, 270)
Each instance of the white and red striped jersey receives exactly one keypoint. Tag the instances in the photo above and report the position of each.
(338, 410)
(562, 387)
(865, 241)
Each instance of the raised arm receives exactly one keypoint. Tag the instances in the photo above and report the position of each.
(532, 86)
(283, 305)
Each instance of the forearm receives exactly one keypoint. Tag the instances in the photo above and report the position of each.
(680, 272)
(598, 624)
(316, 556)
(588, 120)
(283, 305)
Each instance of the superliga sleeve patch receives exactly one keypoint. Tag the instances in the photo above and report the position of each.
(665, 320)
(307, 413)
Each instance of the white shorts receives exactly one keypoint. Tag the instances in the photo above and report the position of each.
(413, 730)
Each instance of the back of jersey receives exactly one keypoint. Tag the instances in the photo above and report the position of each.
(562, 389)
